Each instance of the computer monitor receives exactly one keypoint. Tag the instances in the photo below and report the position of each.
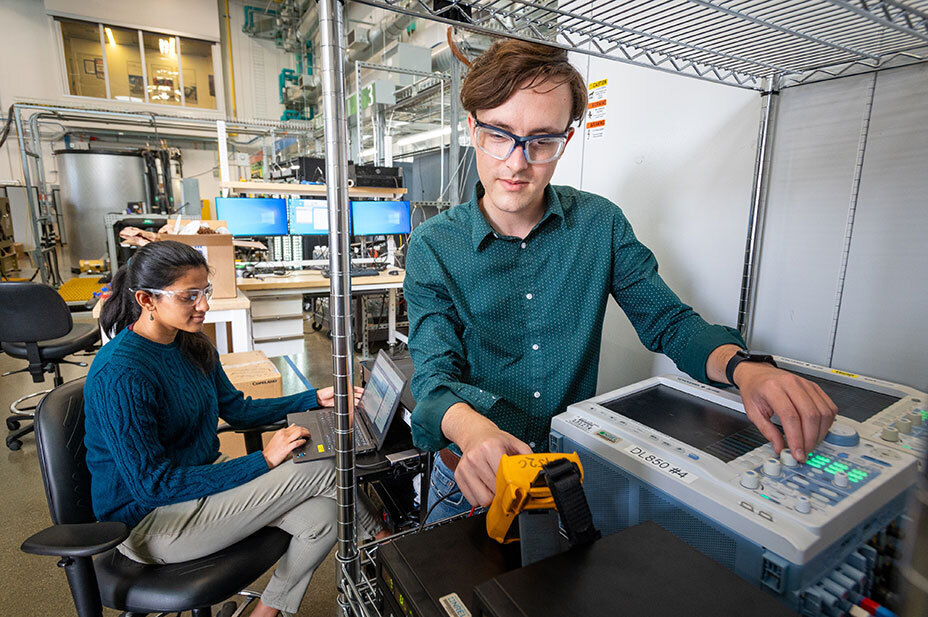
(308, 217)
(253, 216)
(376, 218)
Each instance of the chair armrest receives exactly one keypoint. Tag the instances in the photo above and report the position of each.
(78, 540)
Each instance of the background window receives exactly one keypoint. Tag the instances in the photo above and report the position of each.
(124, 64)
(161, 54)
(83, 57)
(164, 69)
(199, 80)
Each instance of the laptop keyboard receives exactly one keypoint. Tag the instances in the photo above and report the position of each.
(327, 420)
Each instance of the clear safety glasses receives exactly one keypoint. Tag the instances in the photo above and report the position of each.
(184, 296)
(499, 144)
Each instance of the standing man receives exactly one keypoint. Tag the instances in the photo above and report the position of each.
(506, 294)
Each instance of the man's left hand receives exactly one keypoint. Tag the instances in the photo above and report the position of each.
(805, 411)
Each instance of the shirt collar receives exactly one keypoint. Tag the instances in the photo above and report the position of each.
(481, 229)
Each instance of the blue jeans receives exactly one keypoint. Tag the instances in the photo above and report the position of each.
(442, 483)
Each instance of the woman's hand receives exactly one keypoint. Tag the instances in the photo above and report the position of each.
(283, 443)
(326, 396)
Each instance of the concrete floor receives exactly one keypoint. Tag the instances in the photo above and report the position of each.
(33, 585)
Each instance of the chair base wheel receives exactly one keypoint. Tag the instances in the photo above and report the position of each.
(14, 444)
(316, 326)
(12, 424)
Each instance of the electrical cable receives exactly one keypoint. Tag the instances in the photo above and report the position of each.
(434, 505)
(6, 127)
(454, 49)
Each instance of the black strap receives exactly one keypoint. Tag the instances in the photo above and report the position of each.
(36, 364)
(563, 478)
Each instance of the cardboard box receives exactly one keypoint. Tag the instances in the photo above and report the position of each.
(219, 254)
(257, 377)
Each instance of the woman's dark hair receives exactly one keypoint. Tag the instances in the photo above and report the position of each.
(156, 266)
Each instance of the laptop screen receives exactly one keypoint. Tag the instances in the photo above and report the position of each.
(382, 393)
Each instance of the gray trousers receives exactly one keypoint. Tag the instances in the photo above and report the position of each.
(299, 499)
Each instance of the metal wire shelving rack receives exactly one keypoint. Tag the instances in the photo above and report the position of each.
(762, 45)
(743, 43)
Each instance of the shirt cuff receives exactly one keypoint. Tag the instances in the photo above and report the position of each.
(427, 417)
(701, 346)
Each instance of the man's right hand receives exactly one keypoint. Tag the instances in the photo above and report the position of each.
(483, 445)
(283, 443)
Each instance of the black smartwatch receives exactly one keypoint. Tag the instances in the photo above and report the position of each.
(744, 356)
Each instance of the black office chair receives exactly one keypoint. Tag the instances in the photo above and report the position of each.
(112, 579)
(36, 325)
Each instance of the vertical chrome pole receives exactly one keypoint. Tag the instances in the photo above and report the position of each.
(336, 161)
(454, 196)
(441, 140)
(758, 200)
(357, 113)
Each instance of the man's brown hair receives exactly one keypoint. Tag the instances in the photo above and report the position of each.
(510, 65)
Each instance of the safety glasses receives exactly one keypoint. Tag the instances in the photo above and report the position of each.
(500, 143)
(184, 296)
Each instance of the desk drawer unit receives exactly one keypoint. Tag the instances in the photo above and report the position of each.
(277, 323)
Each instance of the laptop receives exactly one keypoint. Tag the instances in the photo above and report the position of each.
(373, 415)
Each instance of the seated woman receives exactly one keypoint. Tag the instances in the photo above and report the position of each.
(153, 398)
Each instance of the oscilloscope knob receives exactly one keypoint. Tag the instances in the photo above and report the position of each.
(842, 435)
(772, 467)
(890, 433)
(750, 480)
(787, 459)
(803, 505)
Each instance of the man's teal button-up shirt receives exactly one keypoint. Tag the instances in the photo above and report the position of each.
(512, 326)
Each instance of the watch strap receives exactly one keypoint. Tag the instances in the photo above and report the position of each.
(745, 356)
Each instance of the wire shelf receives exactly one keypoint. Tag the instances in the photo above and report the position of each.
(744, 43)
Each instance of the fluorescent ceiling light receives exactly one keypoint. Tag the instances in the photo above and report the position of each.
(109, 35)
(414, 139)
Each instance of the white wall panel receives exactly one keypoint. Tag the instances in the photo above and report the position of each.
(677, 157)
(883, 330)
(814, 153)
(194, 18)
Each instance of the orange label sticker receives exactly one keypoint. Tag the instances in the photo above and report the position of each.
(593, 125)
(596, 104)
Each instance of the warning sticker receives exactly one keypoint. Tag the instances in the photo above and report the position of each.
(596, 109)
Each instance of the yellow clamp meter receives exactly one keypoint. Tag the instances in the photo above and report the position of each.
(521, 485)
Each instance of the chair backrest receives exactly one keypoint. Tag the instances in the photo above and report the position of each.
(32, 312)
(59, 438)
